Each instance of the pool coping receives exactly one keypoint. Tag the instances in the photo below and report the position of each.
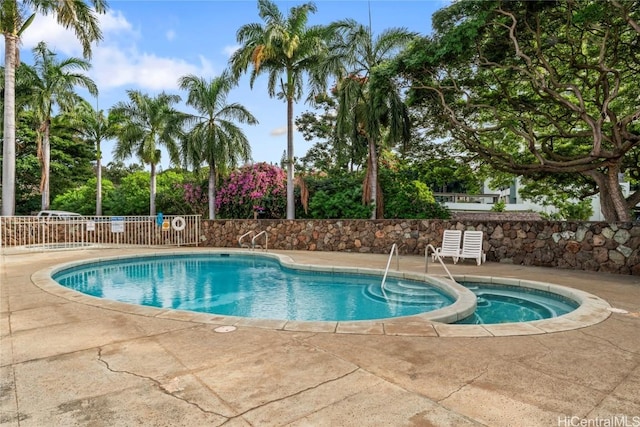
(591, 310)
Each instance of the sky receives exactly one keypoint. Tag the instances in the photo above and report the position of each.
(148, 44)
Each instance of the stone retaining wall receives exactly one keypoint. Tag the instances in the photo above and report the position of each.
(611, 248)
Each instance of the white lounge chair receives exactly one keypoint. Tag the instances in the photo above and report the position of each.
(472, 246)
(450, 245)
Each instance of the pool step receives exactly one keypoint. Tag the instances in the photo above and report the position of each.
(406, 293)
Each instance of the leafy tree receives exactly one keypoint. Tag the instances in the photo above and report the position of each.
(538, 89)
(215, 138)
(253, 190)
(368, 108)
(116, 170)
(131, 196)
(287, 51)
(95, 127)
(545, 193)
(70, 161)
(331, 152)
(443, 169)
(145, 124)
(82, 199)
(15, 18)
(27, 167)
(53, 83)
(71, 157)
(405, 196)
(336, 196)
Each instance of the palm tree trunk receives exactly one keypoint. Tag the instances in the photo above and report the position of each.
(98, 180)
(46, 166)
(9, 143)
(291, 208)
(212, 192)
(373, 177)
(152, 191)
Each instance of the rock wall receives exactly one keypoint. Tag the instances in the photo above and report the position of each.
(611, 248)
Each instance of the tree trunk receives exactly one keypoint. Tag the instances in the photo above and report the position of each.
(152, 191)
(291, 208)
(98, 180)
(9, 143)
(613, 205)
(46, 167)
(212, 192)
(373, 178)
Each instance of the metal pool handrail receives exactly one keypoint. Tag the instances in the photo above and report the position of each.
(386, 270)
(266, 239)
(245, 235)
(426, 261)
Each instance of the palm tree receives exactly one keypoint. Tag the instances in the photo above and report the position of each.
(370, 108)
(287, 50)
(95, 127)
(53, 83)
(215, 139)
(76, 15)
(145, 124)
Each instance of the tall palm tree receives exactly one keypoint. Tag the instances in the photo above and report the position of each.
(145, 124)
(15, 18)
(370, 108)
(215, 139)
(53, 84)
(287, 50)
(95, 127)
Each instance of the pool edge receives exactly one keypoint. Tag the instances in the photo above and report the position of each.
(592, 309)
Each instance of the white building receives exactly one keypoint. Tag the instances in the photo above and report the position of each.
(457, 202)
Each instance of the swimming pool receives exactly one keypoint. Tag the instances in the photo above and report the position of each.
(253, 286)
(506, 304)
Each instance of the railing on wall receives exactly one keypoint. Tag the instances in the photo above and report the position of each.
(38, 233)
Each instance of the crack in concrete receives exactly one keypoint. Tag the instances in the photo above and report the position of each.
(298, 393)
(484, 371)
(606, 395)
(17, 416)
(611, 343)
(158, 385)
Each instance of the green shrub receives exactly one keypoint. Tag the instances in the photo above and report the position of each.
(499, 206)
(345, 203)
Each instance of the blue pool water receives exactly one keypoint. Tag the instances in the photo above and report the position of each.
(502, 304)
(250, 286)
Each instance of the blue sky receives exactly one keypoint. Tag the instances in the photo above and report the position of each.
(148, 45)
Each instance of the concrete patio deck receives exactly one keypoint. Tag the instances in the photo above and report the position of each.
(64, 362)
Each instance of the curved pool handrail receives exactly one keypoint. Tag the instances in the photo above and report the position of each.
(243, 236)
(266, 240)
(426, 261)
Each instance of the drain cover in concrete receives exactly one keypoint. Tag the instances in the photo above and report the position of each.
(225, 329)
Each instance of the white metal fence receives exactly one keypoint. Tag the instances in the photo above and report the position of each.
(37, 233)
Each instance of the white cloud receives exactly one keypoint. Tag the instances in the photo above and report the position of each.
(116, 60)
(278, 131)
(170, 35)
(64, 41)
(114, 21)
(114, 67)
(58, 39)
(230, 50)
